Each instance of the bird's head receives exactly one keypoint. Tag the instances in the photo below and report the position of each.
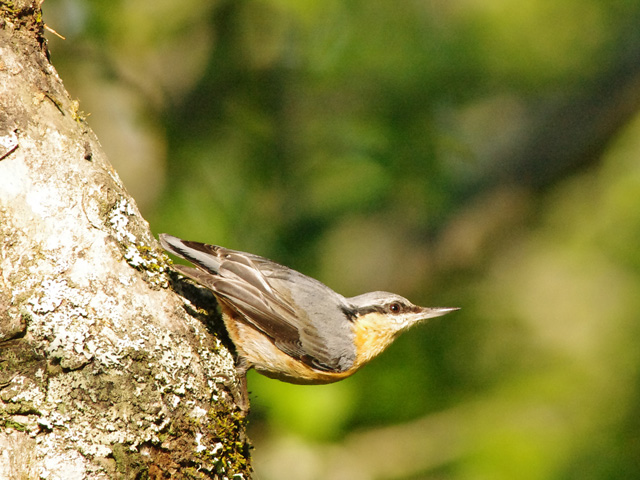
(398, 312)
(379, 317)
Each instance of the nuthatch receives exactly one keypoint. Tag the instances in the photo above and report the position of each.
(289, 326)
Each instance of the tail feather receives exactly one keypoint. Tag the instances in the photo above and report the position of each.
(200, 254)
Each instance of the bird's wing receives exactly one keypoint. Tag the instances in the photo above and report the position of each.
(253, 286)
(258, 289)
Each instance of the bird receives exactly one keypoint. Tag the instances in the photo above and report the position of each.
(289, 326)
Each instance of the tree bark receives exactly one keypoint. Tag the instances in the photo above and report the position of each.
(104, 371)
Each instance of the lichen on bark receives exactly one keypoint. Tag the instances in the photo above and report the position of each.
(104, 371)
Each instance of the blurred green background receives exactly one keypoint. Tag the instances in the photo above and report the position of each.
(484, 155)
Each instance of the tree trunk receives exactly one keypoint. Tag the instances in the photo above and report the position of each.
(104, 371)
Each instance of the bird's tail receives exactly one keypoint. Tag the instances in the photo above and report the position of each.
(200, 254)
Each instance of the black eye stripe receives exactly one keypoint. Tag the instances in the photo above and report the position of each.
(384, 309)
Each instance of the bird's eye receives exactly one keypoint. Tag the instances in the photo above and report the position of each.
(395, 307)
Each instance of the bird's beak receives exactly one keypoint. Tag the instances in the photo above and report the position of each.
(421, 314)
(428, 312)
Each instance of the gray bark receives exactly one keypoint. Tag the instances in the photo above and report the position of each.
(104, 371)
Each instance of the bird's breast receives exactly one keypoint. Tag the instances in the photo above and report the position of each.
(372, 335)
